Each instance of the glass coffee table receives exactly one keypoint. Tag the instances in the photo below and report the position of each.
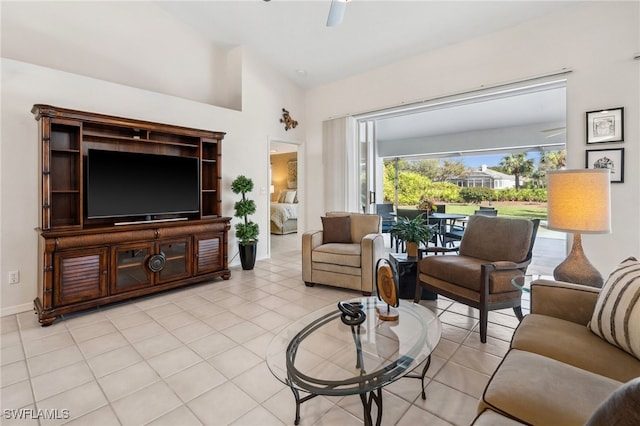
(321, 355)
(522, 283)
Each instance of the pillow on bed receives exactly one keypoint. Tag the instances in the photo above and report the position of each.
(282, 195)
(290, 197)
(336, 229)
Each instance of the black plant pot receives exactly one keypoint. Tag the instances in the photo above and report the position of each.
(248, 255)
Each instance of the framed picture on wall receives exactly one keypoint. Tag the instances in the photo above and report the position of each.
(292, 174)
(605, 125)
(612, 159)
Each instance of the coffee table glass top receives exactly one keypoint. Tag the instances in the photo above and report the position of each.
(319, 353)
(522, 283)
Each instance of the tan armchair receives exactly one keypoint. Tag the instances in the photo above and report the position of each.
(493, 250)
(350, 264)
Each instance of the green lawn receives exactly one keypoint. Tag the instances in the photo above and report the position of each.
(525, 210)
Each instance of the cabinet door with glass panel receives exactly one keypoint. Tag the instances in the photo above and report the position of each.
(130, 264)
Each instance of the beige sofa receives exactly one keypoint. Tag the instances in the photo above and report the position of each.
(557, 372)
(350, 264)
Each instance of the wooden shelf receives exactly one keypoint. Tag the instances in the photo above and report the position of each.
(96, 137)
(62, 150)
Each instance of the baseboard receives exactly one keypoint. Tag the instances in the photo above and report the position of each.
(16, 309)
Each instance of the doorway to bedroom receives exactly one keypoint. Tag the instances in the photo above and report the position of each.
(285, 208)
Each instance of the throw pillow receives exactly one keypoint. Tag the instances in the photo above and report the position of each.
(291, 195)
(336, 229)
(616, 317)
(282, 196)
(622, 408)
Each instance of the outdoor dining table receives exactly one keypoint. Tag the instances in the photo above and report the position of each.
(444, 220)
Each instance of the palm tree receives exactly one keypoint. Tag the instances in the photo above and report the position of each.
(517, 165)
(551, 160)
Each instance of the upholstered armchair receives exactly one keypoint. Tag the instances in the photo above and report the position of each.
(493, 250)
(344, 253)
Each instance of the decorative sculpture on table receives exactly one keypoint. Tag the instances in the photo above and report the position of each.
(352, 313)
(387, 287)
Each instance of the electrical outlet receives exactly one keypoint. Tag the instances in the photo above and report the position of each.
(14, 277)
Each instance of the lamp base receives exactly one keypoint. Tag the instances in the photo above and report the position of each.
(576, 268)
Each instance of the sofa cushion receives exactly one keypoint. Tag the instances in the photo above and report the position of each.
(622, 408)
(364, 224)
(338, 254)
(616, 317)
(574, 344)
(491, 418)
(465, 271)
(361, 224)
(497, 238)
(535, 389)
(336, 229)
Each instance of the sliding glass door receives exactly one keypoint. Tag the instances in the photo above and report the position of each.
(369, 195)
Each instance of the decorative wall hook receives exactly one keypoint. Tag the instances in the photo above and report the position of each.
(289, 123)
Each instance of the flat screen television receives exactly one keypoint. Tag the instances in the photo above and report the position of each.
(123, 184)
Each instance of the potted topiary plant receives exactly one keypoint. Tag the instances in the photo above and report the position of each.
(414, 232)
(246, 231)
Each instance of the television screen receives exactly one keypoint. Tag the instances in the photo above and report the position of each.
(132, 184)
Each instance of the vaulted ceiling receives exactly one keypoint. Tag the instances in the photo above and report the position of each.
(293, 36)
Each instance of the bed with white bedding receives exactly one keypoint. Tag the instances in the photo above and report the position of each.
(284, 215)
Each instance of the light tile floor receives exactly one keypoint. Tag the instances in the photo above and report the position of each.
(196, 356)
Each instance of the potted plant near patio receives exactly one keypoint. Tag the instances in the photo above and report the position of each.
(427, 204)
(414, 232)
(246, 231)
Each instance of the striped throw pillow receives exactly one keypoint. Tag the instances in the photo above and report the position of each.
(616, 317)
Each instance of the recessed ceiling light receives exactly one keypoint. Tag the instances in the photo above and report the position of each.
(301, 73)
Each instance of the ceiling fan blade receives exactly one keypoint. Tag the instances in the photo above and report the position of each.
(336, 12)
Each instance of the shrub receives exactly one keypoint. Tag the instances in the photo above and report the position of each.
(529, 194)
(476, 194)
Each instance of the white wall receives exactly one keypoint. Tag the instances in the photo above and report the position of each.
(137, 44)
(597, 41)
(245, 147)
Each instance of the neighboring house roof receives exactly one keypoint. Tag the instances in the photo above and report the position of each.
(485, 172)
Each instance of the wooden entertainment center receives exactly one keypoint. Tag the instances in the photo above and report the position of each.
(86, 262)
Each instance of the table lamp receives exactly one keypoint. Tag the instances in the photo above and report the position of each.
(579, 201)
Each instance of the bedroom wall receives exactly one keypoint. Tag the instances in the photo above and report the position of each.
(279, 172)
(597, 41)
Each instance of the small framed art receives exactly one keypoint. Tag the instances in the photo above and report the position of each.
(605, 125)
(612, 159)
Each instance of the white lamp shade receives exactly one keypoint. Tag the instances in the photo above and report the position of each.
(579, 201)
(272, 189)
